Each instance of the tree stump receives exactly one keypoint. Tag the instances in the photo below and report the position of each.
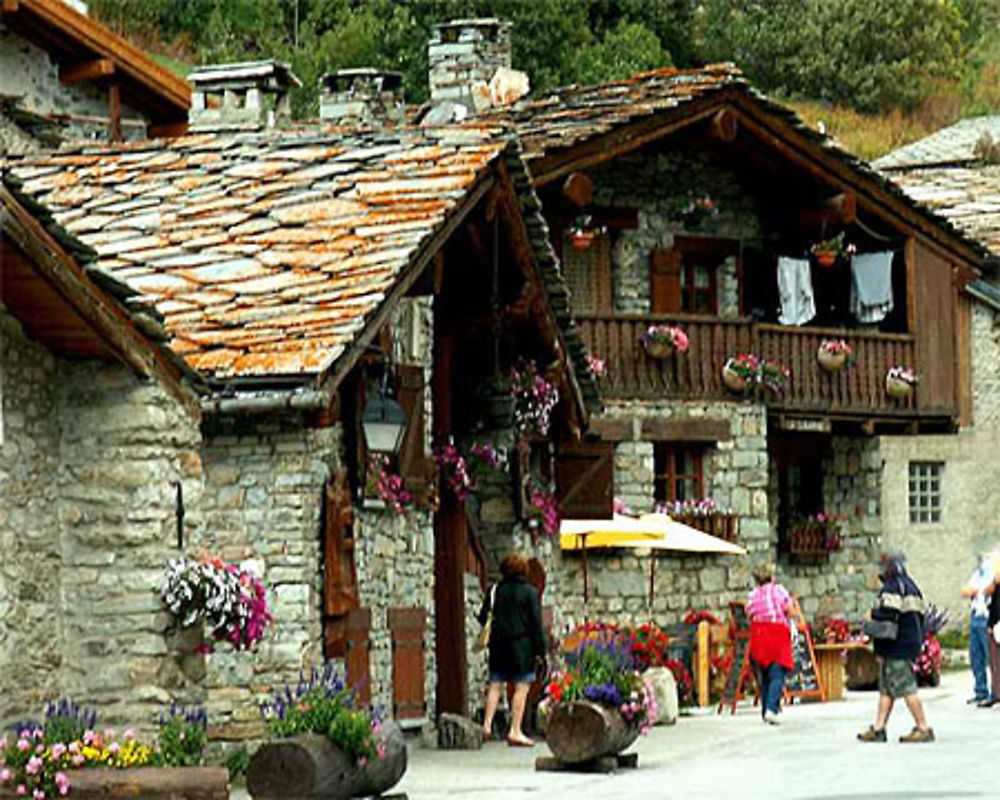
(581, 731)
(311, 766)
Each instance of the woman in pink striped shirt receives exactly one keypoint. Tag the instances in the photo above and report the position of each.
(770, 606)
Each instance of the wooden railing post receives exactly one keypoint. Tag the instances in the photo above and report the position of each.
(704, 662)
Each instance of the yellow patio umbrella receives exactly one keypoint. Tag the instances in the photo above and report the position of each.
(653, 531)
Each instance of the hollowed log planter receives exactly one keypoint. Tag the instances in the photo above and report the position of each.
(311, 766)
(149, 783)
(831, 362)
(582, 731)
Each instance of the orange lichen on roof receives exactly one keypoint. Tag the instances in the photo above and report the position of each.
(266, 253)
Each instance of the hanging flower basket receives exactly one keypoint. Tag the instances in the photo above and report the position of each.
(899, 382)
(825, 258)
(834, 354)
(733, 379)
(582, 240)
(583, 232)
(660, 341)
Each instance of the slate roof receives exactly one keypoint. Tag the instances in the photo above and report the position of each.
(264, 252)
(943, 173)
(571, 115)
(952, 145)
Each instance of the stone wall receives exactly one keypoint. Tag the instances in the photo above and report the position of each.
(676, 192)
(943, 555)
(735, 477)
(30, 658)
(29, 72)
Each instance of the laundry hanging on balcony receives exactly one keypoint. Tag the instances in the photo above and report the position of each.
(871, 286)
(795, 288)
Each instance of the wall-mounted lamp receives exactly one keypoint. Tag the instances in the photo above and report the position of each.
(384, 420)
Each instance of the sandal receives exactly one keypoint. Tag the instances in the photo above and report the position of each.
(525, 742)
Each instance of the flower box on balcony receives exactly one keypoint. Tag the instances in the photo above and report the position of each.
(720, 524)
(814, 538)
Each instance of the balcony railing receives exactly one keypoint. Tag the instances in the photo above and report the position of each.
(697, 374)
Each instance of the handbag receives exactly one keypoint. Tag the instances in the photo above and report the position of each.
(483, 639)
(885, 629)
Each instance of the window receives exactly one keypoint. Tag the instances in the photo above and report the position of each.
(925, 491)
(698, 286)
(678, 473)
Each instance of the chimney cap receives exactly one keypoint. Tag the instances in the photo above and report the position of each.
(278, 74)
(342, 80)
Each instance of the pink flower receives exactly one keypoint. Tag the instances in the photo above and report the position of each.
(109, 733)
(78, 760)
(129, 735)
(5, 775)
(38, 794)
(22, 789)
(113, 748)
(23, 745)
(33, 766)
(58, 750)
(61, 779)
(74, 747)
(88, 737)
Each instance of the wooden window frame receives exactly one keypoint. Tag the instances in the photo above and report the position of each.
(665, 482)
(690, 291)
(924, 495)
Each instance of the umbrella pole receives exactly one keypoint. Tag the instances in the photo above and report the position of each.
(585, 598)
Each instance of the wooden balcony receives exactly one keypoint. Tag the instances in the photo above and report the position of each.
(855, 393)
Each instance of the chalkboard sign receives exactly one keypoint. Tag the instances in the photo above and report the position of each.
(803, 680)
(681, 644)
(738, 657)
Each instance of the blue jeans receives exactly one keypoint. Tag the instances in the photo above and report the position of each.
(979, 655)
(771, 681)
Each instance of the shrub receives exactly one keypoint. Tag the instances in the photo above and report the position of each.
(182, 736)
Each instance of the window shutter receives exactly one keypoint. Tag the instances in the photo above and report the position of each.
(665, 281)
(412, 461)
(340, 582)
(406, 630)
(588, 276)
(585, 474)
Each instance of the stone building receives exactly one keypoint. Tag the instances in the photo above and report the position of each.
(671, 197)
(63, 74)
(299, 277)
(954, 173)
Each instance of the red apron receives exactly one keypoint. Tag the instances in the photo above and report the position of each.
(771, 642)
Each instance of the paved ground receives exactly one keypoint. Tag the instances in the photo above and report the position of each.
(813, 754)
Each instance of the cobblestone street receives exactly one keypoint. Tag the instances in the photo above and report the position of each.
(812, 754)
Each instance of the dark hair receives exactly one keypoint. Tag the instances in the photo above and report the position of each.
(514, 564)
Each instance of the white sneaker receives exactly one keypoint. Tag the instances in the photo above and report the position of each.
(771, 718)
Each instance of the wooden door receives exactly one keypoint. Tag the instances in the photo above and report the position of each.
(585, 479)
(407, 627)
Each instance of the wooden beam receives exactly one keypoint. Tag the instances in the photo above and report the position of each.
(839, 210)
(81, 71)
(910, 258)
(11, 6)
(109, 321)
(724, 126)
(167, 130)
(114, 113)
(654, 429)
(578, 188)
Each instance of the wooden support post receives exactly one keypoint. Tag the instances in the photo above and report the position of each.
(704, 661)
(114, 113)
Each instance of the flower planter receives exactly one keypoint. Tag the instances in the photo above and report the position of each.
(831, 362)
(311, 766)
(580, 731)
(897, 388)
(658, 349)
(582, 240)
(149, 783)
(733, 381)
(825, 258)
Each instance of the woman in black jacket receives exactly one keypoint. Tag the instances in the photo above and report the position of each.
(517, 640)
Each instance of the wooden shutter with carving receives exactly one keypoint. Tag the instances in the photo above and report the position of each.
(340, 580)
(665, 281)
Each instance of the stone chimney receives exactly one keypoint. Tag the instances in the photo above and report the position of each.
(238, 97)
(365, 96)
(464, 56)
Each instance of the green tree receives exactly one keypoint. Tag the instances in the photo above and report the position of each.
(627, 48)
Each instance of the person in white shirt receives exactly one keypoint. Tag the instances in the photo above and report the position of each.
(975, 591)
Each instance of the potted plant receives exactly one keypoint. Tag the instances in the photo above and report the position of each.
(899, 382)
(535, 398)
(827, 251)
(386, 485)
(583, 232)
(834, 354)
(817, 535)
(455, 471)
(927, 667)
(662, 340)
(598, 701)
(740, 371)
